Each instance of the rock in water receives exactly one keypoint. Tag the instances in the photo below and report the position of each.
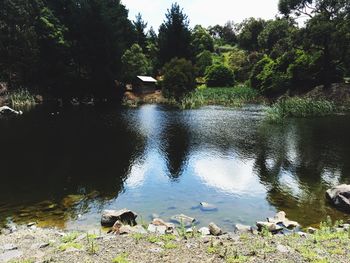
(280, 218)
(8, 110)
(183, 219)
(339, 196)
(109, 217)
(272, 227)
(207, 207)
(215, 230)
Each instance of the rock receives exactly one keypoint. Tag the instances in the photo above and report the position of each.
(155, 250)
(109, 217)
(170, 227)
(39, 246)
(207, 207)
(239, 228)
(10, 255)
(71, 200)
(283, 249)
(8, 247)
(280, 218)
(311, 230)
(125, 230)
(214, 229)
(272, 227)
(183, 219)
(8, 111)
(204, 231)
(139, 230)
(31, 224)
(339, 196)
(345, 226)
(157, 229)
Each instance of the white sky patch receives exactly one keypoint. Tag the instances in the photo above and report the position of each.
(228, 175)
(204, 12)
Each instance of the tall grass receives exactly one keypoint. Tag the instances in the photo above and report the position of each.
(21, 99)
(299, 107)
(232, 96)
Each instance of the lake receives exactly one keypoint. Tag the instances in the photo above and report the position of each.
(62, 166)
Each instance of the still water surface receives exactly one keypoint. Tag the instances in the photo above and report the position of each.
(62, 167)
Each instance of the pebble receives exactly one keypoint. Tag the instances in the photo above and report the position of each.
(282, 249)
(311, 230)
(156, 250)
(204, 231)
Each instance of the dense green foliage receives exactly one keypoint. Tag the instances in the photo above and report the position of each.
(219, 75)
(80, 47)
(179, 78)
(134, 63)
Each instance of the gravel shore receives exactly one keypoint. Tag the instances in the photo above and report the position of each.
(32, 244)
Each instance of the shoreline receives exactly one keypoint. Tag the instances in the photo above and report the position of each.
(270, 241)
(33, 244)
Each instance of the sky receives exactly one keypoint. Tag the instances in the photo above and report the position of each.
(204, 12)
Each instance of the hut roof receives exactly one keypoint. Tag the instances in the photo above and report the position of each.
(147, 79)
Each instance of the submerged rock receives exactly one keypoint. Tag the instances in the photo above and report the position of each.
(207, 207)
(109, 217)
(183, 219)
(339, 196)
(215, 230)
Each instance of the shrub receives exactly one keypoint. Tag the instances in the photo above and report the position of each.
(203, 61)
(179, 78)
(219, 75)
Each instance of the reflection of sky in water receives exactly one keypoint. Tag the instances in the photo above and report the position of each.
(288, 182)
(228, 175)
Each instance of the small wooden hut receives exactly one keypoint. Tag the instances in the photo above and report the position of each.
(144, 85)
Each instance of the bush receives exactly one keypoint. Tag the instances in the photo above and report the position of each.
(179, 78)
(203, 61)
(219, 75)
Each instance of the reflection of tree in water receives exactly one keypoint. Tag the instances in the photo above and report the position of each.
(75, 153)
(291, 161)
(176, 143)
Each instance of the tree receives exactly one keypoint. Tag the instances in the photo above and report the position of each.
(237, 61)
(19, 49)
(322, 32)
(201, 40)
(249, 31)
(219, 75)
(203, 61)
(174, 37)
(224, 34)
(140, 27)
(275, 32)
(179, 78)
(134, 63)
